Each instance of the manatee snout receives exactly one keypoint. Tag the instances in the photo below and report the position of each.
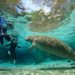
(29, 39)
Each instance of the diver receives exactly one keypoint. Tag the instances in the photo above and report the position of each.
(3, 30)
(3, 33)
(12, 48)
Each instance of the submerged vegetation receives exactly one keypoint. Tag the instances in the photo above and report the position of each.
(43, 22)
(10, 6)
(60, 9)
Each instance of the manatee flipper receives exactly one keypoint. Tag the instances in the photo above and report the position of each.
(32, 46)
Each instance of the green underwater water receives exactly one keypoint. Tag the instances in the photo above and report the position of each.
(37, 58)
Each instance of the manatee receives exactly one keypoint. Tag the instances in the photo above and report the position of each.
(52, 46)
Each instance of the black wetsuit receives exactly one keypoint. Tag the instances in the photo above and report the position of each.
(1, 39)
(4, 35)
(4, 31)
(12, 49)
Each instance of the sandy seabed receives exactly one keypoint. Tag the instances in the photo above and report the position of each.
(37, 72)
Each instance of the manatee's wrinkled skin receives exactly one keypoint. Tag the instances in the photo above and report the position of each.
(52, 46)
